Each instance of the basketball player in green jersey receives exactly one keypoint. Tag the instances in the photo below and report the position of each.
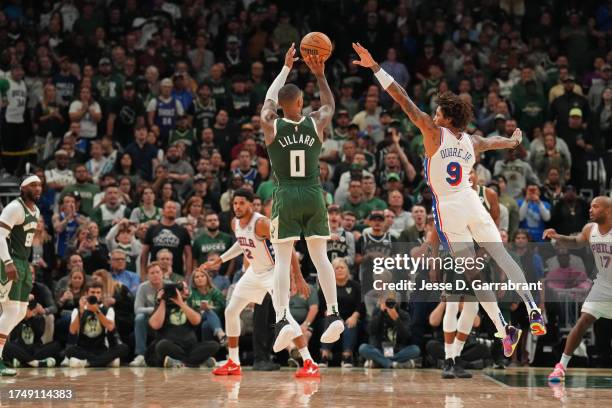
(294, 145)
(18, 223)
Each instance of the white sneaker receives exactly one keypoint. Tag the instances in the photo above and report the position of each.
(115, 363)
(139, 361)
(170, 362)
(77, 363)
(47, 362)
(65, 362)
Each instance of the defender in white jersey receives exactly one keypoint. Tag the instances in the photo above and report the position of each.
(598, 235)
(252, 232)
(459, 216)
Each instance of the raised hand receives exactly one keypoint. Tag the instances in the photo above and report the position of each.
(290, 57)
(365, 58)
(550, 233)
(316, 64)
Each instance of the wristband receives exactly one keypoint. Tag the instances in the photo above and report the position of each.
(8, 261)
(385, 79)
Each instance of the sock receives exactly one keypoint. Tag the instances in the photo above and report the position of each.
(331, 309)
(458, 346)
(449, 351)
(565, 359)
(511, 269)
(492, 309)
(305, 354)
(234, 355)
(317, 249)
(33, 363)
(282, 277)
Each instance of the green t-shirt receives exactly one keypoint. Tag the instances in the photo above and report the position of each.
(265, 190)
(376, 203)
(204, 244)
(214, 297)
(299, 306)
(361, 209)
(187, 136)
(87, 191)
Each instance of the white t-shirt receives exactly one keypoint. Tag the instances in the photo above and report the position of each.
(63, 177)
(16, 101)
(89, 128)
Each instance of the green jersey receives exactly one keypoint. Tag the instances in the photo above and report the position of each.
(294, 154)
(24, 223)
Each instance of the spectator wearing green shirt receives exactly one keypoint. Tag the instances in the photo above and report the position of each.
(265, 189)
(368, 185)
(183, 133)
(210, 302)
(111, 211)
(355, 201)
(86, 190)
(213, 240)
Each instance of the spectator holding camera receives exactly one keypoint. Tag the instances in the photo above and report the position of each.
(389, 329)
(533, 212)
(122, 236)
(117, 295)
(92, 322)
(175, 323)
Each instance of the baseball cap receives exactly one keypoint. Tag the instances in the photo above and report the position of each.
(232, 39)
(376, 215)
(500, 116)
(393, 177)
(198, 178)
(61, 152)
(128, 85)
(166, 82)
(104, 61)
(575, 112)
(570, 78)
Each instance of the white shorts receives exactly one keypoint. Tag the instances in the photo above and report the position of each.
(461, 218)
(253, 286)
(598, 303)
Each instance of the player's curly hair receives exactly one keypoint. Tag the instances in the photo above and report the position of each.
(458, 110)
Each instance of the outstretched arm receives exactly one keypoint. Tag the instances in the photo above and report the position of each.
(324, 115)
(482, 144)
(570, 241)
(423, 121)
(270, 106)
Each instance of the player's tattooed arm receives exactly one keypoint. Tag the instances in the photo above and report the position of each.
(324, 115)
(482, 144)
(422, 120)
(262, 228)
(270, 107)
(570, 241)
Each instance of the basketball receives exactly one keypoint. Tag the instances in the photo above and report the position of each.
(316, 43)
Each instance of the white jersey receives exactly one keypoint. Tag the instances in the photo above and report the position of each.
(448, 170)
(601, 245)
(256, 250)
(16, 101)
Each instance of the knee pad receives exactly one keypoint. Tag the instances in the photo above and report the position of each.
(449, 322)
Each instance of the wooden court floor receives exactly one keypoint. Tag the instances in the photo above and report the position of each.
(186, 388)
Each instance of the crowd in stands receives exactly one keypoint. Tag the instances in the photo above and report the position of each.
(142, 118)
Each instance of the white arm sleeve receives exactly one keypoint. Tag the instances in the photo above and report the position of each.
(277, 84)
(232, 253)
(11, 215)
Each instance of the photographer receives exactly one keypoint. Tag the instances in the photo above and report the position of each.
(176, 324)
(92, 322)
(25, 346)
(389, 329)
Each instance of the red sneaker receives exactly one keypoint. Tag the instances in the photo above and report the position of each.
(229, 368)
(310, 370)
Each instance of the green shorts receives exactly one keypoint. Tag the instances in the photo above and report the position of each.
(20, 289)
(297, 210)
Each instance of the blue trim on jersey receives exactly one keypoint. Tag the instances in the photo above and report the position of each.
(270, 249)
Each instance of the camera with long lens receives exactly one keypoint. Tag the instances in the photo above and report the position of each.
(92, 300)
(390, 303)
(32, 304)
(171, 288)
